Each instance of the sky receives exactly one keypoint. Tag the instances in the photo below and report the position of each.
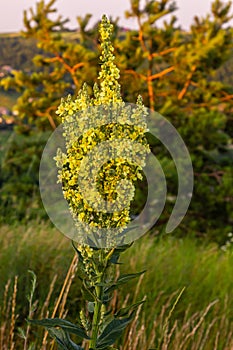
(11, 11)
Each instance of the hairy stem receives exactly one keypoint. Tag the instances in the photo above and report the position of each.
(96, 317)
(99, 290)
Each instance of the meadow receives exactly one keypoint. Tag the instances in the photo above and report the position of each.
(187, 290)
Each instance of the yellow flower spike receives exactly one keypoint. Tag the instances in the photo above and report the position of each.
(109, 73)
(87, 125)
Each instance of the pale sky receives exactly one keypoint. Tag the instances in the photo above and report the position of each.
(11, 11)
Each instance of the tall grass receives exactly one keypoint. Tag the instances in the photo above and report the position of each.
(187, 288)
(202, 316)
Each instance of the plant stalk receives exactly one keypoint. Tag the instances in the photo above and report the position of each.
(96, 316)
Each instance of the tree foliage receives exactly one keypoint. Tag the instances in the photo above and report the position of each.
(60, 68)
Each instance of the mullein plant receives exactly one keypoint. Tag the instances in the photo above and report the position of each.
(102, 212)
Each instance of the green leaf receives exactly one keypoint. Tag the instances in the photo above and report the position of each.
(87, 293)
(127, 277)
(63, 339)
(115, 256)
(78, 252)
(32, 346)
(112, 331)
(65, 325)
(91, 306)
(33, 287)
(107, 298)
(21, 333)
(123, 279)
(125, 311)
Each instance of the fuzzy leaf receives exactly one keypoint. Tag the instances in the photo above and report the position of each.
(91, 306)
(123, 279)
(115, 256)
(77, 251)
(65, 325)
(127, 277)
(63, 339)
(112, 331)
(125, 311)
(87, 294)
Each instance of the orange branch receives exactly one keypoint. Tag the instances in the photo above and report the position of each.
(151, 94)
(160, 74)
(187, 83)
(138, 75)
(227, 98)
(78, 65)
(221, 99)
(61, 60)
(70, 69)
(162, 53)
(140, 36)
(48, 115)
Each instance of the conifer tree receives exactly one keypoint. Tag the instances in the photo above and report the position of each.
(144, 52)
(177, 70)
(66, 61)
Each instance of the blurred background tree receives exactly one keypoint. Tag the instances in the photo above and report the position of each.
(66, 59)
(177, 72)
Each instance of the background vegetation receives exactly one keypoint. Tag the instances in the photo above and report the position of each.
(201, 318)
(187, 77)
(179, 73)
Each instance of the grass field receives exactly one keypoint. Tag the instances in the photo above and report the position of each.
(5, 139)
(187, 287)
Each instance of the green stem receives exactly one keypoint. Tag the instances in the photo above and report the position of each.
(96, 317)
(99, 296)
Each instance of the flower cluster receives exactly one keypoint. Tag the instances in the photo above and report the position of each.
(87, 254)
(106, 149)
(109, 74)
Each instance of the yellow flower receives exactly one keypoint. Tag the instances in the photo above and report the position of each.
(80, 141)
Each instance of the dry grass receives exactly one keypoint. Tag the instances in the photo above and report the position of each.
(8, 308)
(171, 318)
(194, 332)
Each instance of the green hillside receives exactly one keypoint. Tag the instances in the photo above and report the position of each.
(16, 51)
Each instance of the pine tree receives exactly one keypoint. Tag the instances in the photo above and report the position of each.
(177, 70)
(66, 61)
(144, 52)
